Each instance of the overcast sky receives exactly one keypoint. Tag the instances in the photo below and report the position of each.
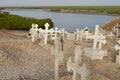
(57, 2)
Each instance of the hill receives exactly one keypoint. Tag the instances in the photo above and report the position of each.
(111, 24)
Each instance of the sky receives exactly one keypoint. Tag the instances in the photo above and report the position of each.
(58, 2)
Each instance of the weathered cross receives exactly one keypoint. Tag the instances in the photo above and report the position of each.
(34, 32)
(110, 35)
(116, 29)
(56, 51)
(75, 67)
(97, 38)
(46, 33)
(117, 47)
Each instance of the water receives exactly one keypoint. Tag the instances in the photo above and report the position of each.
(70, 21)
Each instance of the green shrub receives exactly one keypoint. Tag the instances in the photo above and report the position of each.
(8, 21)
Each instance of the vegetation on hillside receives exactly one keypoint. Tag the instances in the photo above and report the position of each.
(92, 9)
(8, 21)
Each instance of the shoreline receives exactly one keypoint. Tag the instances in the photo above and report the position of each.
(84, 12)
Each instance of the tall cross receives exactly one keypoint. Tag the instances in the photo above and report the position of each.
(56, 51)
(46, 33)
(97, 37)
(75, 67)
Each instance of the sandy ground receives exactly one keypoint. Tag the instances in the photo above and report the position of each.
(20, 59)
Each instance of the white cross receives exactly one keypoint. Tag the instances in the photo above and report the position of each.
(34, 32)
(110, 35)
(75, 67)
(46, 32)
(80, 34)
(97, 37)
(117, 47)
(116, 30)
(56, 51)
(56, 32)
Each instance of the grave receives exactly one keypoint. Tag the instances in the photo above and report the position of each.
(38, 33)
(81, 34)
(110, 35)
(117, 47)
(76, 67)
(116, 30)
(98, 39)
(56, 51)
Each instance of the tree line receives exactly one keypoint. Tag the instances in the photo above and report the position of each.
(9, 21)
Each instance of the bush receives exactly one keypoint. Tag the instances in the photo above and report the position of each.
(8, 21)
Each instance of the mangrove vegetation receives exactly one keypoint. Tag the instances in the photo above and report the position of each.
(9, 21)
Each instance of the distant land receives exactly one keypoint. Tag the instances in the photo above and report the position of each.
(106, 10)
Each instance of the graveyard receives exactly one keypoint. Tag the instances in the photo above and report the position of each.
(56, 54)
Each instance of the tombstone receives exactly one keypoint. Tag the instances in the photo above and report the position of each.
(96, 52)
(56, 51)
(110, 35)
(75, 66)
(117, 47)
(46, 32)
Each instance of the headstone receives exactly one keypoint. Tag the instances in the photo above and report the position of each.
(117, 47)
(75, 66)
(56, 51)
(96, 52)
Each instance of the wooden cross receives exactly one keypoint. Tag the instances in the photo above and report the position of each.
(97, 37)
(56, 51)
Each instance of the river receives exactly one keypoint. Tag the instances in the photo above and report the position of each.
(69, 21)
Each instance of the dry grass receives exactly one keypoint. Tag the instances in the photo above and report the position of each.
(111, 24)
